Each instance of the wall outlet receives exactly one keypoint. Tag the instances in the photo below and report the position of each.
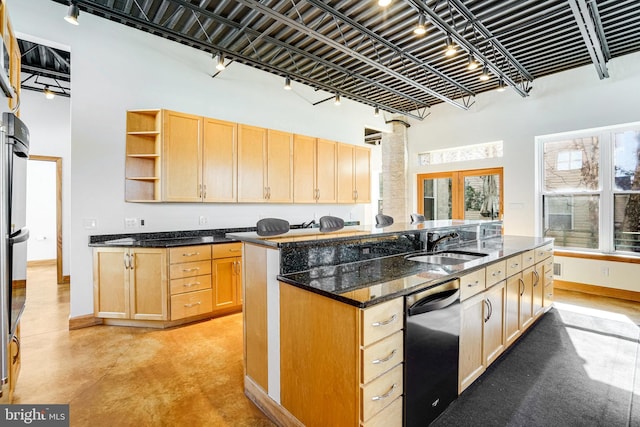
(89, 223)
(141, 222)
(130, 223)
(203, 220)
(605, 271)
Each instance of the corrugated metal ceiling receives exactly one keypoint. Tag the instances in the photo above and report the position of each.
(371, 54)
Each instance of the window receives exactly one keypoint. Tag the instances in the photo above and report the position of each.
(590, 189)
(487, 150)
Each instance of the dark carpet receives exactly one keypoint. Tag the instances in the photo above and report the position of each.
(569, 369)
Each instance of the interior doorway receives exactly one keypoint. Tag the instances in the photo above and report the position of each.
(32, 200)
(466, 194)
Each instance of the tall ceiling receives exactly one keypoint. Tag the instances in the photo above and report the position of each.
(370, 54)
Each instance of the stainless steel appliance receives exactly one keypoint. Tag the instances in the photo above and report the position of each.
(432, 336)
(14, 138)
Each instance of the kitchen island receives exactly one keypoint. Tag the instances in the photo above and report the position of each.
(324, 312)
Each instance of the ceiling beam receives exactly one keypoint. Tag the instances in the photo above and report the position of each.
(330, 42)
(587, 28)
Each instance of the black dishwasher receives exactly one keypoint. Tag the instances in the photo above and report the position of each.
(431, 346)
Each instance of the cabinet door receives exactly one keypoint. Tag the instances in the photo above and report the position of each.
(251, 164)
(224, 284)
(304, 169)
(362, 174)
(345, 174)
(326, 155)
(471, 361)
(526, 298)
(239, 297)
(148, 284)
(219, 161)
(111, 283)
(182, 164)
(493, 344)
(512, 308)
(279, 167)
(538, 288)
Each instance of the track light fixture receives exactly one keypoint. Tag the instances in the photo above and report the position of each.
(384, 3)
(485, 74)
(220, 66)
(287, 83)
(48, 93)
(501, 85)
(450, 47)
(376, 111)
(421, 27)
(472, 64)
(337, 99)
(72, 13)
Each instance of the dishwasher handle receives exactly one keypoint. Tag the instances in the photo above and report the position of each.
(434, 302)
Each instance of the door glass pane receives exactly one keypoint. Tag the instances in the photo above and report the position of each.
(626, 212)
(572, 220)
(571, 165)
(626, 164)
(436, 200)
(482, 197)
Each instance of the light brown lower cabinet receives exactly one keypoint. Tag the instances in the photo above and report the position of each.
(325, 360)
(481, 333)
(130, 283)
(226, 273)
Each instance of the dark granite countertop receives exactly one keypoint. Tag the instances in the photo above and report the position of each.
(166, 239)
(366, 283)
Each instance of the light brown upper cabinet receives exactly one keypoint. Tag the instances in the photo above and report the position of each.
(265, 165)
(219, 161)
(182, 151)
(314, 170)
(143, 156)
(354, 174)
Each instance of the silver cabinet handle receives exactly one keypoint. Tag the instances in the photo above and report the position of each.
(387, 394)
(385, 322)
(489, 310)
(192, 304)
(204, 191)
(496, 273)
(188, 285)
(235, 250)
(523, 285)
(471, 285)
(515, 265)
(191, 254)
(385, 359)
(126, 261)
(535, 273)
(187, 270)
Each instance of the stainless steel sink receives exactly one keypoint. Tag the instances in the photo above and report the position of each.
(446, 258)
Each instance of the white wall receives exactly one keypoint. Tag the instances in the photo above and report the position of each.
(116, 68)
(572, 100)
(50, 132)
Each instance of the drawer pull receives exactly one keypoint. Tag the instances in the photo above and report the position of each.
(192, 304)
(187, 270)
(496, 273)
(188, 285)
(387, 394)
(191, 254)
(385, 359)
(471, 285)
(515, 265)
(385, 322)
(235, 250)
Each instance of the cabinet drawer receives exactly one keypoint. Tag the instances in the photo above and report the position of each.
(225, 250)
(472, 283)
(189, 269)
(514, 265)
(190, 284)
(496, 272)
(391, 416)
(381, 392)
(189, 253)
(381, 356)
(543, 252)
(381, 320)
(528, 258)
(191, 304)
(548, 266)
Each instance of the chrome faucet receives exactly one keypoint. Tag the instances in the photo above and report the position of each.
(432, 244)
(308, 224)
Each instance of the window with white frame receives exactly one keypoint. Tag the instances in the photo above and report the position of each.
(590, 189)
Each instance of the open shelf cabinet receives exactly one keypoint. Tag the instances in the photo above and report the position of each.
(144, 159)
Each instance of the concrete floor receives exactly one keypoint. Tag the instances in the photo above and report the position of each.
(121, 376)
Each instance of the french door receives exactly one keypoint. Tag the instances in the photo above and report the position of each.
(467, 194)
